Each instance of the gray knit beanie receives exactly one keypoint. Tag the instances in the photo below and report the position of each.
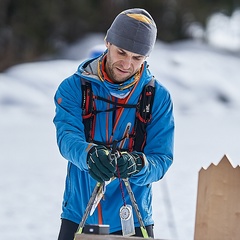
(133, 30)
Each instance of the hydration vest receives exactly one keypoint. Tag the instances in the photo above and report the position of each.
(137, 138)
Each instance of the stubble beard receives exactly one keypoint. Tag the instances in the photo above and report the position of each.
(112, 75)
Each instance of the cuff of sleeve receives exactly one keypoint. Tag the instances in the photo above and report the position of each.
(144, 159)
(87, 150)
(89, 146)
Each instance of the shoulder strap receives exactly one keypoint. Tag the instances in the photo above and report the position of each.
(87, 108)
(143, 116)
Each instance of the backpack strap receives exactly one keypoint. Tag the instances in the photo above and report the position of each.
(87, 109)
(143, 117)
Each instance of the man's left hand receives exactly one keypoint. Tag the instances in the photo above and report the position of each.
(129, 164)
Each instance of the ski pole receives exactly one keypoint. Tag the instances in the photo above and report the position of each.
(96, 192)
(88, 208)
(134, 203)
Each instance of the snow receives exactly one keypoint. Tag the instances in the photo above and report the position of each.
(204, 83)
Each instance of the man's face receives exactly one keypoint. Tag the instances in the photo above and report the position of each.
(122, 64)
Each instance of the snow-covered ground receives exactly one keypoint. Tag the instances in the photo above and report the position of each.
(205, 86)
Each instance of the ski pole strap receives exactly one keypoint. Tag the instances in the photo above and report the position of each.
(134, 203)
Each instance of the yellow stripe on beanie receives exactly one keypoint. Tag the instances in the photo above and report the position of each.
(140, 17)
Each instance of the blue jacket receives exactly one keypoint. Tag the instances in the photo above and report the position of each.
(74, 148)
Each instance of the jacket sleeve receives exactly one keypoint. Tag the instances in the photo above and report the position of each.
(158, 151)
(68, 122)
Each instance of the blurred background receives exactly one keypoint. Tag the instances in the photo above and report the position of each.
(32, 30)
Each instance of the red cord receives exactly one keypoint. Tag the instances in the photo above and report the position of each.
(121, 187)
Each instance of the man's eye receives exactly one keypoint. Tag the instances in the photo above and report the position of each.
(137, 58)
(121, 53)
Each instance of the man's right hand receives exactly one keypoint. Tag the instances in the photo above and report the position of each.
(100, 166)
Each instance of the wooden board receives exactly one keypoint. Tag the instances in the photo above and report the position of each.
(218, 202)
(106, 237)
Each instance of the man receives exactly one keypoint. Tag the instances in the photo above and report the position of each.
(117, 80)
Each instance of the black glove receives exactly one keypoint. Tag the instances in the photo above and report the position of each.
(100, 166)
(128, 164)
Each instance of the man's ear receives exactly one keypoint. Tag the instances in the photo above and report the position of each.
(107, 44)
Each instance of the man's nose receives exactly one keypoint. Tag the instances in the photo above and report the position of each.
(126, 62)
